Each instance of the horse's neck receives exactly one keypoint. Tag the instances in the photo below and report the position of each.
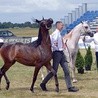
(45, 38)
(76, 35)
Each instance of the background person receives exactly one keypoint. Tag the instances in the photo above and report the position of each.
(95, 40)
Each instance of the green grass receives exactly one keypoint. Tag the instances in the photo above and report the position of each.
(25, 32)
(21, 78)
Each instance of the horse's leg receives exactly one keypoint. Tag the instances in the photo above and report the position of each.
(49, 67)
(34, 77)
(7, 81)
(3, 70)
(42, 73)
(72, 69)
(73, 62)
(2, 73)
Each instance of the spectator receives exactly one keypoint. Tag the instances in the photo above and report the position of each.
(95, 40)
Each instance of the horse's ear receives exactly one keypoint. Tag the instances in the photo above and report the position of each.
(42, 18)
(37, 21)
(86, 21)
(82, 22)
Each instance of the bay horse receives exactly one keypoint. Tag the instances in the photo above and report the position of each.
(71, 40)
(37, 53)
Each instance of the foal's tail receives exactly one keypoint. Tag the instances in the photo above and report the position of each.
(1, 45)
(0, 52)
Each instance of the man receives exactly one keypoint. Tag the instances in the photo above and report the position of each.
(95, 40)
(58, 58)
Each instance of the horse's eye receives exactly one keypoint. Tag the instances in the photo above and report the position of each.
(86, 27)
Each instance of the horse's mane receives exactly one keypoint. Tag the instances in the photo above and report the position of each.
(69, 35)
(37, 42)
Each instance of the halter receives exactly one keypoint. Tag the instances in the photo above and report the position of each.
(47, 27)
(84, 28)
(84, 37)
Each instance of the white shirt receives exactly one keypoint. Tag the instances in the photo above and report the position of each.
(95, 39)
(56, 41)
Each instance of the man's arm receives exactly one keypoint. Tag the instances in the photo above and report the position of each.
(88, 39)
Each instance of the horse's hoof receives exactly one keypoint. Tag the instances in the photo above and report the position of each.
(31, 90)
(0, 87)
(57, 89)
(8, 85)
(74, 81)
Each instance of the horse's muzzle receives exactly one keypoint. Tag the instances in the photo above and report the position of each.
(91, 34)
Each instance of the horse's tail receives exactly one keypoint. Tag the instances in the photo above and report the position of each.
(1, 44)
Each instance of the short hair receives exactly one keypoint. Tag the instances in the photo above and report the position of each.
(57, 23)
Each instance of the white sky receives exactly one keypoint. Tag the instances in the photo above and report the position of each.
(18, 11)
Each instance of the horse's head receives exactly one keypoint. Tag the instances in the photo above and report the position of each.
(45, 23)
(86, 29)
(44, 26)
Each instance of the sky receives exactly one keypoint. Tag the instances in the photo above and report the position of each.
(20, 11)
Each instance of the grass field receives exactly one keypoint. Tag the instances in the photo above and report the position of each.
(21, 77)
(25, 32)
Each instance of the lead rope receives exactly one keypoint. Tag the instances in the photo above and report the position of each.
(84, 43)
(68, 51)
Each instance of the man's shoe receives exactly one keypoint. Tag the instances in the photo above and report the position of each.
(43, 87)
(73, 89)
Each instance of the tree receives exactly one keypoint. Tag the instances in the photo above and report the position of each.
(79, 62)
(88, 59)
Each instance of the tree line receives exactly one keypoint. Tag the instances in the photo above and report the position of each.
(20, 25)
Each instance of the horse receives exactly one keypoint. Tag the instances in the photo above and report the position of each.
(37, 54)
(71, 41)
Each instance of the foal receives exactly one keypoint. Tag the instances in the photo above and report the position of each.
(34, 54)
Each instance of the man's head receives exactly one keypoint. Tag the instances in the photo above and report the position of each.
(59, 25)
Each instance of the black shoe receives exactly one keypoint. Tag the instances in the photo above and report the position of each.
(73, 89)
(43, 87)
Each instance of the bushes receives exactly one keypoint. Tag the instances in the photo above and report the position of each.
(79, 62)
(88, 59)
(84, 62)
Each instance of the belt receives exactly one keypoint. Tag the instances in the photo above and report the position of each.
(58, 51)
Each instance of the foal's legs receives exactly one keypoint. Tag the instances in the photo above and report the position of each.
(3, 70)
(1, 74)
(34, 77)
(6, 78)
(7, 82)
(49, 67)
(42, 73)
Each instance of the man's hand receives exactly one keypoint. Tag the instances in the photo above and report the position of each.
(83, 39)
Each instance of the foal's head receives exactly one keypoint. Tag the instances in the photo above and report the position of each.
(45, 23)
(44, 26)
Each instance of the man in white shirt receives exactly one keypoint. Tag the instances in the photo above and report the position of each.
(58, 58)
(95, 40)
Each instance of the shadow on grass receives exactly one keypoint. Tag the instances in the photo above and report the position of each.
(36, 89)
